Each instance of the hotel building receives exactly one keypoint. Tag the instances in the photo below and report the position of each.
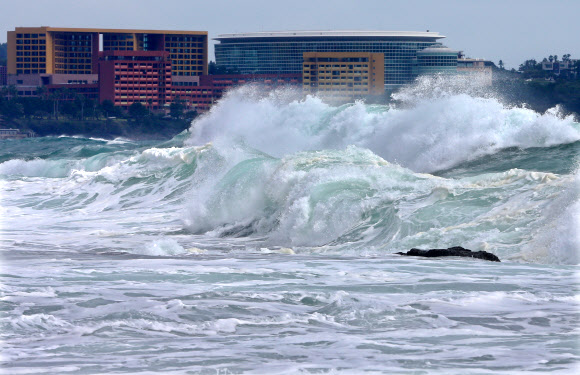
(343, 77)
(127, 77)
(282, 52)
(55, 50)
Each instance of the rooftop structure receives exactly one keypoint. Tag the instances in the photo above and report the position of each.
(281, 52)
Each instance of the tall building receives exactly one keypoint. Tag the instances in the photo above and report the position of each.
(54, 50)
(282, 52)
(343, 76)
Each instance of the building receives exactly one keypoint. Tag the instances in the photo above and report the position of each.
(282, 52)
(478, 68)
(559, 67)
(200, 96)
(27, 85)
(127, 77)
(343, 76)
(3, 76)
(54, 50)
(436, 59)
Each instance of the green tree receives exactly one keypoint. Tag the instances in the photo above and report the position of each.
(109, 110)
(11, 109)
(176, 108)
(70, 108)
(138, 111)
(501, 64)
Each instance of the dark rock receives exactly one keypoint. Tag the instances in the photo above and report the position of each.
(456, 251)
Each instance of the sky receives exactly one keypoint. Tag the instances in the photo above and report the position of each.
(508, 30)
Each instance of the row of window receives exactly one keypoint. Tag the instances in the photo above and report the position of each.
(117, 44)
(28, 36)
(187, 45)
(73, 36)
(108, 37)
(337, 82)
(30, 48)
(74, 49)
(30, 71)
(337, 75)
(30, 41)
(352, 66)
(72, 66)
(183, 38)
(31, 65)
(72, 61)
(334, 72)
(30, 59)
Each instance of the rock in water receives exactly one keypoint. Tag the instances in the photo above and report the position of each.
(456, 251)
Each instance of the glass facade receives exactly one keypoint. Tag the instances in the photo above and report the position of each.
(435, 60)
(277, 55)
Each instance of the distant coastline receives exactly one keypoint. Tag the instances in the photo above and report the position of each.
(148, 129)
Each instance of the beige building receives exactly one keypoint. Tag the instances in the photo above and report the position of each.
(343, 76)
(56, 50)
(477, 70)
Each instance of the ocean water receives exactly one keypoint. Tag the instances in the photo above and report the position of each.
(263, 241)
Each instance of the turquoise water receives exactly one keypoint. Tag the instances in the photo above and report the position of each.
(263, 241)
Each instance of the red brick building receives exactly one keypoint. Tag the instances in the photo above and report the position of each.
(127, 77)
(210, 88)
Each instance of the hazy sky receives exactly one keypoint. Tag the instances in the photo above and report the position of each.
(511, 30)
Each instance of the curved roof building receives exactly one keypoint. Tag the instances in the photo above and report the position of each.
(282, 51)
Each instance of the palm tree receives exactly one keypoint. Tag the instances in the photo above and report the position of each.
(41, 91)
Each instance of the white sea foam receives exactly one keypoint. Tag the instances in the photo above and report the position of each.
(162, 247)
(426, 134)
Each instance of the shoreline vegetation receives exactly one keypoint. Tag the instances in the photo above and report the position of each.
(77, 116)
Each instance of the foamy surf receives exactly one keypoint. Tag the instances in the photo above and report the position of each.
(274, 224)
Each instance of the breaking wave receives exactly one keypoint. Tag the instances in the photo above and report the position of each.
(438, 168)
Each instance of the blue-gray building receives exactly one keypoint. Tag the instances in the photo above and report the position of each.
(281, 52)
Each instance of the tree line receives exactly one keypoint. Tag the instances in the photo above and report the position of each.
(541, 89)
(67, 112)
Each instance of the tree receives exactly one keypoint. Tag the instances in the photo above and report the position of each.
(109, 109)
(138, 111)
(11, 109)
(501, 64)
(176, 108)
(551, 58)
(70, 108)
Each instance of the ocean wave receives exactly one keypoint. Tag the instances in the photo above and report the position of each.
(425, 134)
